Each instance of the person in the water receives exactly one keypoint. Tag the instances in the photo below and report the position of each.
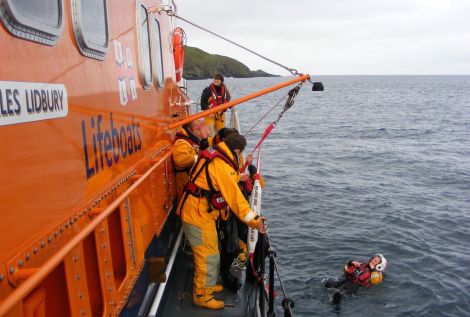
(358, 275)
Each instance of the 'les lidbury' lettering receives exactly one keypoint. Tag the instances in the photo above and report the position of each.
(38, 101)
(22, 102)
(109, 143)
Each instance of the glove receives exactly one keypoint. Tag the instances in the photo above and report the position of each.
(252, 169)
(203, 144)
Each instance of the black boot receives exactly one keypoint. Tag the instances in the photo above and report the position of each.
(231, 282)
(336, 298)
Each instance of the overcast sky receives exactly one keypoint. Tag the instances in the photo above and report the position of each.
(337, 36)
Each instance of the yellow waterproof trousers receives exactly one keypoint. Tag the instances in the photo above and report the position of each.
(219, 120)
(215, 122)
(204, 242)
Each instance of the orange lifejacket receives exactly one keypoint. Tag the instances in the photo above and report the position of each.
(214, 197)
(178, 52)
(210, 153)
(217, 99)
(360, 276)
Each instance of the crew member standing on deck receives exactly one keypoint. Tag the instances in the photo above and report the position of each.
(230, 229)
(216, 94)
(212, 187)
(191, 138)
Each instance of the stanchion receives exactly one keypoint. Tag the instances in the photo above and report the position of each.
(271, 254)
(262, 271)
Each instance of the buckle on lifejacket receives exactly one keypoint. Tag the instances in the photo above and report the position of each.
(193, 189)
(218, 201)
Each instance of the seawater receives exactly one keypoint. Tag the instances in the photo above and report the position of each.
(372, 164)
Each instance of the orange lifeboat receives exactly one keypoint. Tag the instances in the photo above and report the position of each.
(179, 38)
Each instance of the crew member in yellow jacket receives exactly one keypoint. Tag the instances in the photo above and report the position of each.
(187, 143)
(213, 187)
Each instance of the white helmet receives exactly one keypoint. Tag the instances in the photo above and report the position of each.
(383, 263)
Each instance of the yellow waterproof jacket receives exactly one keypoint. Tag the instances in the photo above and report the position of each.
(184, 157)
(225, 180)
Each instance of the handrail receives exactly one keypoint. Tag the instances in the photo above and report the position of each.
(28, 285)
(169, 267)
(235, 102)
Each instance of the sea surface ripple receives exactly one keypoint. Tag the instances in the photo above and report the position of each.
(372, 164)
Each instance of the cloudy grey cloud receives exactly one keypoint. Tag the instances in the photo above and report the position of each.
(338, 37)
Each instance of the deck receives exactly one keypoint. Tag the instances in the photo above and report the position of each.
(178, 295)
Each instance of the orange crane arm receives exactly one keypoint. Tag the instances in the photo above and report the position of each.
(235, 102)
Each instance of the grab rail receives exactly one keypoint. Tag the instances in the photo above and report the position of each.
(162, 286)
(29, 284)
(235, 102)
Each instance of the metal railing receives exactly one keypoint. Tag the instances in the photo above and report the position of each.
(269, 295)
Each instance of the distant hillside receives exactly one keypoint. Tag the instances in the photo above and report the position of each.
(202, 65)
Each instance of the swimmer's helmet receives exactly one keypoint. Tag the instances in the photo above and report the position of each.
(383, 263)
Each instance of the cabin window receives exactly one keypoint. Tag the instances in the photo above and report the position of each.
(144, 48)
(90, 24)
(39, 21)
(158, 54)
